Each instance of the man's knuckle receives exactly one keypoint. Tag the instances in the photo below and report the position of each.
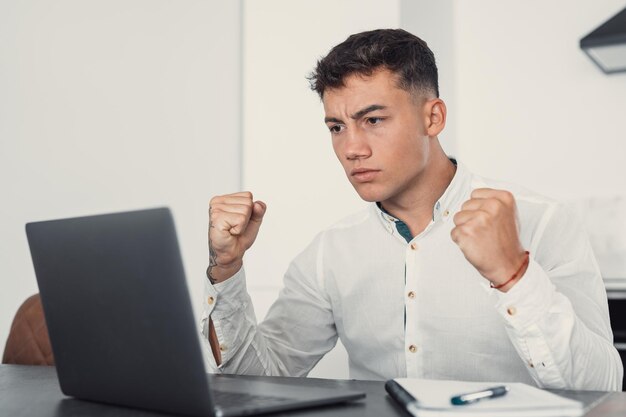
(507, 196)
(487, 204)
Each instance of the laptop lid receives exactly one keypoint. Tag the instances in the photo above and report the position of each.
(118, 311)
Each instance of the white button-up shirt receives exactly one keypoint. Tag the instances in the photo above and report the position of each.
(420, 309)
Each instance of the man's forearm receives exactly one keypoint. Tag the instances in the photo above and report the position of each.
(559, 348)
(217, 273)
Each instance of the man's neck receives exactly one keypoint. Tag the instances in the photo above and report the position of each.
(415, 207)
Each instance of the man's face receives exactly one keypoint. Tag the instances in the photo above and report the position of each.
(378, 134)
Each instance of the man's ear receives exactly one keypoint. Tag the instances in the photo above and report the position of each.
(435, 116)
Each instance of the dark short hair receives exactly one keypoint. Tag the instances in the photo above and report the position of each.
(363, 53)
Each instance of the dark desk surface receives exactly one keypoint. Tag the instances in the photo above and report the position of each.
(34, 391)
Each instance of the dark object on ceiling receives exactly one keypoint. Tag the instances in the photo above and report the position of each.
(606, 45)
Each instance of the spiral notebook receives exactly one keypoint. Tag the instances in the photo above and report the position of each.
(433, 397)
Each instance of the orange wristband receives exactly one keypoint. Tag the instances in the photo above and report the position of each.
(526, 260)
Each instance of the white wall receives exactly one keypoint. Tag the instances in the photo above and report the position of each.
(533, 108)
(433, 21)
(114, 105)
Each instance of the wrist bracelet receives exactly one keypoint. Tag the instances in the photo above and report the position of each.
(524, 263)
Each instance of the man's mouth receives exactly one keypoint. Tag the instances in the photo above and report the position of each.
(364, 174)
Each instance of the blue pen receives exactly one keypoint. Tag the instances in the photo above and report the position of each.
(472, 397)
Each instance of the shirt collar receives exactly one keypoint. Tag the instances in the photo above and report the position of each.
(449, 202)
(454, 195)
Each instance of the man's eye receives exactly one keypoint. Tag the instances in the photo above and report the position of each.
(374, 120)
(335, 129)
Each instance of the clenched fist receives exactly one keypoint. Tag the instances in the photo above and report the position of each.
(487, 232)
(234, 222)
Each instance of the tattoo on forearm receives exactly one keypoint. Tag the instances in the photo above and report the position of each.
(212, 263)
(212, 255)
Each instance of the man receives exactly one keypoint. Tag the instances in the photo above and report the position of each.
(446, 275)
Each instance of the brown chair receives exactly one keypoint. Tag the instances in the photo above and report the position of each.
(28, 342)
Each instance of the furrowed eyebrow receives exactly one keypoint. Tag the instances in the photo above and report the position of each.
(358, 114)
(366, 110)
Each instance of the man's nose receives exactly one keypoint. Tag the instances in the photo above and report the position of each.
(356, 146)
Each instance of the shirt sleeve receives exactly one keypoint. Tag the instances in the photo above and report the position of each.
(556, 315)
(298, 330)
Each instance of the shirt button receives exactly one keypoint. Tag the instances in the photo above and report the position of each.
(511, 311)
(414, 246)
(446, 213)
(412, 348)
(222, 348)
(411, 294)
(210, 300)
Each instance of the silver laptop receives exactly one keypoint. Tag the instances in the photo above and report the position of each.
(121, 324)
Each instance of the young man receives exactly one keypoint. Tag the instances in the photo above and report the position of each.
(446, 275)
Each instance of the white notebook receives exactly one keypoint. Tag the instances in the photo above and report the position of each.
(433, 398)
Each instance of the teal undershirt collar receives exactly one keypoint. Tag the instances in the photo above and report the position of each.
(401, 226)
